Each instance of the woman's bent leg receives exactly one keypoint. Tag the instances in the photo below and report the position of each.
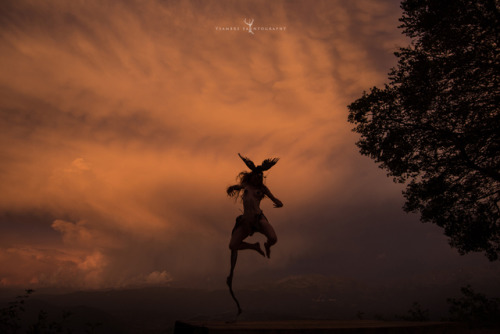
(269, 232)
(236, 244)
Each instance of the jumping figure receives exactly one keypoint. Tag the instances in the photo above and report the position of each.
(252, 220)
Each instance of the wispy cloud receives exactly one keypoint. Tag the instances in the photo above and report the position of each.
(120, 123)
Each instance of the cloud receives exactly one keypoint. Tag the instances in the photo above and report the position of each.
(72, 233)
(27, 266)
(120, 124)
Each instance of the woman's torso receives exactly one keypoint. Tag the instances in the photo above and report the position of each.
(251, 199)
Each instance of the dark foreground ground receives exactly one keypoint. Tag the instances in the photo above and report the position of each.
(323, 327)
(156, 310)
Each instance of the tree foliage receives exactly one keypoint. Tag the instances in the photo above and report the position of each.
(436, 125)
(475, 308)
(415, 313)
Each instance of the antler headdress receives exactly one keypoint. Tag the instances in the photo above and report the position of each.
(266, 164)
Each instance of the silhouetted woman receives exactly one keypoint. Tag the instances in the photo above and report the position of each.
(252, 220)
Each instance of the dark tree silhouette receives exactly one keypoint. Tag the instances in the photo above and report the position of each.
(436, 125)
(475, 308)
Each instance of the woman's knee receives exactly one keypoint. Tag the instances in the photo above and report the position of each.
(272, 239)
(233, 245)
(237, 236)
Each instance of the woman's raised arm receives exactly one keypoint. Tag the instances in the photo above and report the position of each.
(277, 202)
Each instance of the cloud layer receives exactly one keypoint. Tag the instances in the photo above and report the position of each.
(121, 121)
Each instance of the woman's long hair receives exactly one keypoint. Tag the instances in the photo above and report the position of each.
(245, 178)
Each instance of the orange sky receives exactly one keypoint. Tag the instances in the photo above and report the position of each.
(121, 123)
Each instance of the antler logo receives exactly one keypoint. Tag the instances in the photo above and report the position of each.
(249, 24)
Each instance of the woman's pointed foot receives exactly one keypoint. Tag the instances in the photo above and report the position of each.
(268, 250)
(258, 248)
